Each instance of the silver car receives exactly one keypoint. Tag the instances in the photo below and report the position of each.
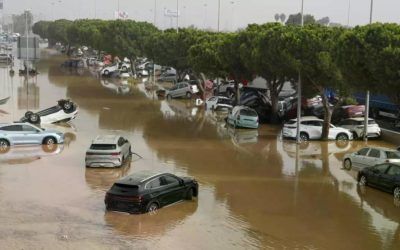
(370, 156)
(183, 89)
(108, 151)
(26, 133)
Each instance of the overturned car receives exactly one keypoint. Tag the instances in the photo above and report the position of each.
(64, 111)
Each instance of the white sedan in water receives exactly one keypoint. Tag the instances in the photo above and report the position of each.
(218, 102)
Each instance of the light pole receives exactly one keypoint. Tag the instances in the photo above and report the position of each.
(299, 85)
(177, 16)
(155, 12)
(219, 13)
(233, 24)
(205, 16)
(95, 9)
(366, 113)
(348, 14)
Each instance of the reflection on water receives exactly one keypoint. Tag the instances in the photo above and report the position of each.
(26, 154)
(256, 190)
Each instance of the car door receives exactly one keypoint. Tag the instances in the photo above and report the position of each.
(373, 158)
(14, 133)
(313, 128)
(358, 158)
(158, 192)
(387, 180)
(376, 174)
(31, 135)
(174, 190)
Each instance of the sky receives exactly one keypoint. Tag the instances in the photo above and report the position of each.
(234, 14)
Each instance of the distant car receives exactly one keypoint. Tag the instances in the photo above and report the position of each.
(183, 89)
(25, 133)
(227, 87)
(5, 58)
(244, 117)
(384, 176)
(168, 70)
(107, 71)
(370, 156)
(147, 191)
(356, 126)
(311, 129)
(74, 63)
(108, 151)
(167, 77)
(218, 102)
(142, 73)
(64, 111)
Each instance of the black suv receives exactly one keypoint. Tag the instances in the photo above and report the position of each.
(148, 191)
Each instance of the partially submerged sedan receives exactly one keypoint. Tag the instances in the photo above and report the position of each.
(218, 103)
(147, 191)
(370, 156)
(243, 117)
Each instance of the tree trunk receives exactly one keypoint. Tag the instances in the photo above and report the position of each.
(327, 117)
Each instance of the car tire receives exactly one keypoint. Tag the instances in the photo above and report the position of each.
(140, 75)
(342, 137)
(152, 207)
(4, 146)
(188, 95)
(304, 136)
(34, 118)
(106, 72)
(396, 192)
(189, 194)
(49, 140)
(355, 135)
(363, 181)
(68, 107)
(347, 164)
(28, 114)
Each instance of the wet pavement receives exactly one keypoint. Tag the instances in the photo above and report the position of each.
(256, 191)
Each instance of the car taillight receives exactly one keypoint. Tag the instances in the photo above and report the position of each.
(115, 154)
(135, 198)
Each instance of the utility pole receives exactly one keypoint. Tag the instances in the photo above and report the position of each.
(155, 12)
(219, 13)
(366, 113)
(298, 140)
(177, 16)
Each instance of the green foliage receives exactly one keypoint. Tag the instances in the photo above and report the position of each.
(295, 19)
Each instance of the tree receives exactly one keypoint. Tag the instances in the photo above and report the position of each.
(324, 21)
(277, 17)
(282, 17)
(295, 19)
(313, 47)
(369, 57)
(57, 31)
(41, 28)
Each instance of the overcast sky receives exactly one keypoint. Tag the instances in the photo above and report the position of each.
(204, 13)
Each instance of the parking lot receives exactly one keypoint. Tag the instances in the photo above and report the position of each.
(256, 190)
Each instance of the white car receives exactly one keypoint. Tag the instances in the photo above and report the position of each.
(370, 156)
(111, 69)
(65, 111)
(311, 129)
(218, 102)
(108, 151)
(356, 126)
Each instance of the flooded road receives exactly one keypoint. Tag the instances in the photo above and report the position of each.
(256, 191)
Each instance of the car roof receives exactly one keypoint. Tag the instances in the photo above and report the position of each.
(308, 118)
(16, 123)
(383, 149)
(139, 177)
(106, 139)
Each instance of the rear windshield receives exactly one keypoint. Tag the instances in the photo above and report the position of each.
(103, 146)
(124, 189)
(393, 155)
(248, 112)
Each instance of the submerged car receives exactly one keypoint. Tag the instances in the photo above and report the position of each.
(167, 77)
(26, 133)
(311, 129)
(356, 126)
(147, 191)
(370, 156)
(384, 176)
(183, 89)
(107, 71)
(244, 117)
(64, 111)
(218, 102)
(108, 151)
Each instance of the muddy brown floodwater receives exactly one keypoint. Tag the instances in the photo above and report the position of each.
(256, 191)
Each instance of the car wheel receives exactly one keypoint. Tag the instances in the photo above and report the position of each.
(169, 97)
(304, 136)
(4, 146)
(140, 75)
(363, 181)
(347, 164)
(28, 114)
(396, 192)
(188, 95)
(34, 119)
(355, 135)
(106, 72)
(49, 140)
(342, 137)
(152, 208)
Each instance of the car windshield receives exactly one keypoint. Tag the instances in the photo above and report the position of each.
(392, 155)
(248, 112)
(224, 101)
(103, 146)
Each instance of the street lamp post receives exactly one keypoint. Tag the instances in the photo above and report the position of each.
(177, 16)
(299, 85)
(155, 12)
(205, 16)
(219, 13)
(366, 113)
